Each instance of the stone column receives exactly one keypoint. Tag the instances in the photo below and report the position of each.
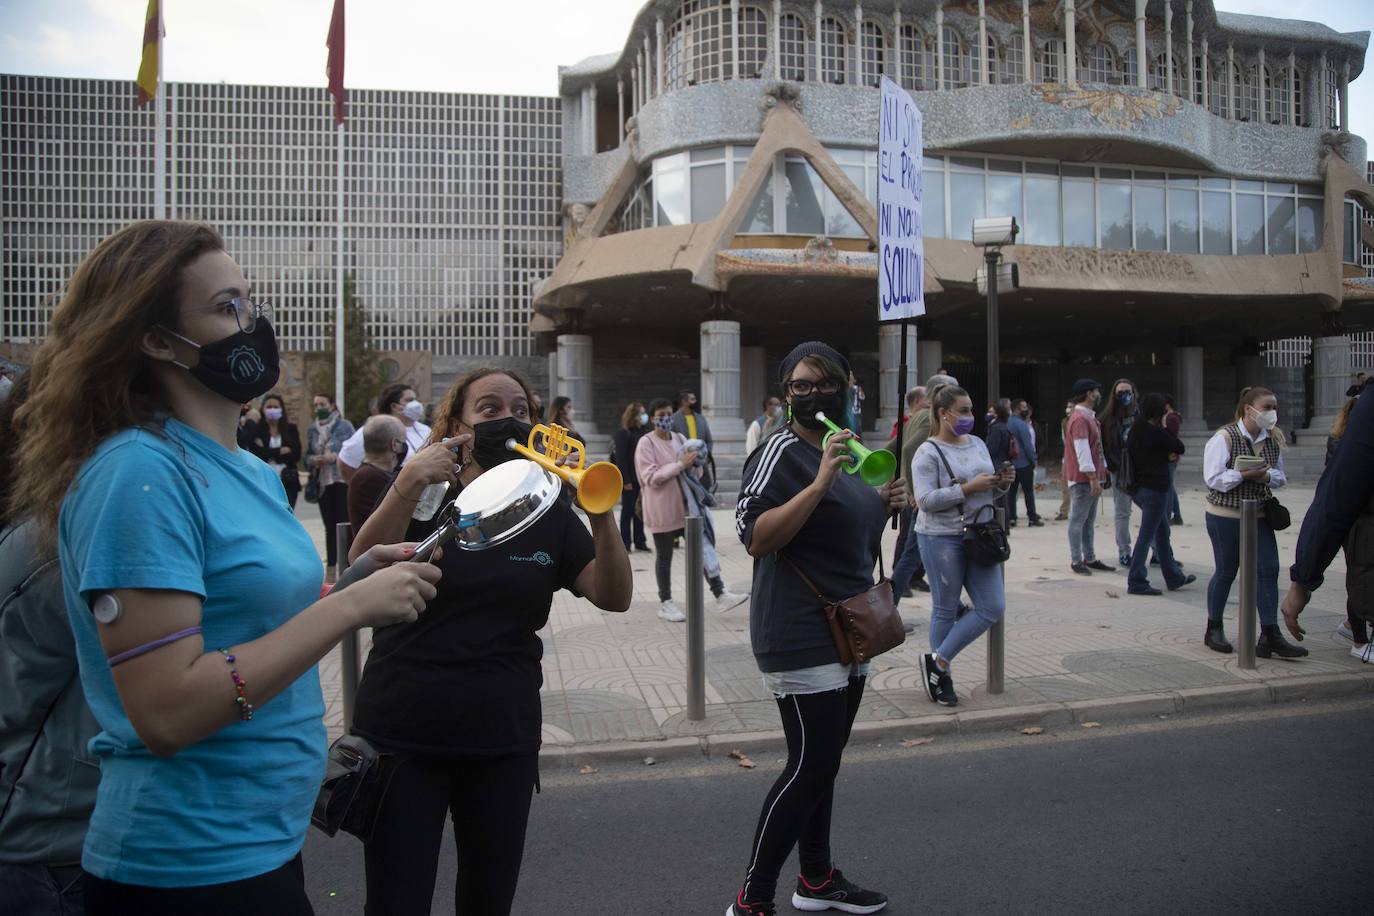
(1330, 378)
(1169, 47)
(775, 40)
(1259, 77)
(820, 45)
(939, 47)
(591, 120)
(620, 107)
(648, 67)
(890, 403)
(1343, 92)
(1232, 108)
(1188, 390)
(720, 378)
(897, 47)
(1070, 75)
(930, 356)
(658, 44)
(1206, 82)
(574, 379)
(734, 40)
(1321, 120)
(1292, 88)
(1027, 54)
(982, 44)
(1142, 60)
(858, 44)
(1188, 31)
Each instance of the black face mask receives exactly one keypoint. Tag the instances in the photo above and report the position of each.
(489, 440)
(240, 367)
(804, 409)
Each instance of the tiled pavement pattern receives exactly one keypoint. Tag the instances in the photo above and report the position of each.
(622, 677)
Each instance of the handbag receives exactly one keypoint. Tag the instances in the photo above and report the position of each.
(290, 478)
(1275, 512)
(356, 778)
(865, 625)
(985, 543)
(312, 486)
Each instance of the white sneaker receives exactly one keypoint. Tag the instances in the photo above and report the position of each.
(1343, 631)
(728, 599)
(670, 612)
(1364, 653)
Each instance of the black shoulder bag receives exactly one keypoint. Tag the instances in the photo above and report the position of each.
(356, 778)
(985, 543)
(1275, 512)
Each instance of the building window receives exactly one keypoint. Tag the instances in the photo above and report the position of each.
(1276, 96)
(1219, 92)
(1297, 96)
(992, 61)
(1249, 95)
(1048, 64)
(752, 43)
(1329, 98)
(873, 54)
(1013, 61)
(834, 59)
(694, 44)
(1199, 80)
(1128, 67)
(1100, 65)
(917, 62)
(956, 59)
(1159, 72)
(794, 47)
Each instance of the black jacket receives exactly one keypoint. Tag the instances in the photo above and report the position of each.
(1345, 493)
(623, 444)
(259, 435)
(999, 443)
(1150, 447)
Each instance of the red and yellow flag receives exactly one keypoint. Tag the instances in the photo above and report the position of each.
(147, 68)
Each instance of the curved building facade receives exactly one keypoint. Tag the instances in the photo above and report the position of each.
(1183, 177)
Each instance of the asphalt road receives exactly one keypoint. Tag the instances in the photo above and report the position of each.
(1262, 812)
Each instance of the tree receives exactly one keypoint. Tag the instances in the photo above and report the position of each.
(361, 359)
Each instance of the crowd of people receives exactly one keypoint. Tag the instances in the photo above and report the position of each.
(164, 610)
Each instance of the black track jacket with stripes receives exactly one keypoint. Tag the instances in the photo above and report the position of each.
(837, 547)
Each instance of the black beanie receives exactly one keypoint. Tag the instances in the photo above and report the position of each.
(812, 348)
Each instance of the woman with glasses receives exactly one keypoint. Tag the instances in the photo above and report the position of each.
(801, 517)
(198, 666)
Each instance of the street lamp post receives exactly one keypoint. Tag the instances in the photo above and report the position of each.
(991, 234)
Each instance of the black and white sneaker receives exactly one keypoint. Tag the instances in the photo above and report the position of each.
(836, 893)
(944, 693)
(930, 676)
(740, 908)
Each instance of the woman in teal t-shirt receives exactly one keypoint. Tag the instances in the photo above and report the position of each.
(192, 589)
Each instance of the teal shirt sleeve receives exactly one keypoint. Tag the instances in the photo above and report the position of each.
(133, 520)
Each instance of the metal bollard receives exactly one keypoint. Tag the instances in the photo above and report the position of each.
(1246, 623)
(696, 621)
(349, 666)
(997, 633)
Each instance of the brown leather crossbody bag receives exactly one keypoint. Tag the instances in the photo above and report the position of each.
(865, 625)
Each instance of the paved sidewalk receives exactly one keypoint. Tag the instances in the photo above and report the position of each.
(1077, 648)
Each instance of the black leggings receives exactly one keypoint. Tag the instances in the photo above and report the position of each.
(629, 522)
(796, 811)
(489, 800)
(333, 511)
(663, 566)
(280, 892)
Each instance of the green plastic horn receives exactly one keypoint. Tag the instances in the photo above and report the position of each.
(873, 468)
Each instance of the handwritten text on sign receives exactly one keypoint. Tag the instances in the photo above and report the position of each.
(901, 251)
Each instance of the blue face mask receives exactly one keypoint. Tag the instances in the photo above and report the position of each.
(1125, 398)
(644, 419)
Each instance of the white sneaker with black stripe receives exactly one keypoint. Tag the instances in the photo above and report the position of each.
(1364, 653)
(930, 676)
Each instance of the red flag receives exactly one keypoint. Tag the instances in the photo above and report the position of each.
(334, 69)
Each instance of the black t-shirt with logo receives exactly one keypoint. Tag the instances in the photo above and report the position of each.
(464, 679)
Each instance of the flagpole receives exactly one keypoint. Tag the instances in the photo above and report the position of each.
(160, 128)
(339, 281)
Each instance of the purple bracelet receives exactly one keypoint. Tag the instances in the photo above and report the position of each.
(147, 647)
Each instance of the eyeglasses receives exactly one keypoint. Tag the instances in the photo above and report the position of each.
(801, 387)
(246, 312)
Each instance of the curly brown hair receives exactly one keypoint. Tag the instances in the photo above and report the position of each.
(450, 409)
(90, 379)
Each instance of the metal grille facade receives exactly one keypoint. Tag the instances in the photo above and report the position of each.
(451, 201)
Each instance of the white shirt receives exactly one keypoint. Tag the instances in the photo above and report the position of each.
(351, 452)
(1218, 453)
(1082, 447)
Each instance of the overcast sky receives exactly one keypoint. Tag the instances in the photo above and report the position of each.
(511, 46)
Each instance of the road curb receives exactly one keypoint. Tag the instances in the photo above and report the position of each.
(1123, 708)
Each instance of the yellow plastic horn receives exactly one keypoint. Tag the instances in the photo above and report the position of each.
(599, 487)
(874, 468)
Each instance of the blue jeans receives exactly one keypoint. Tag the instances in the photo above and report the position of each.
(1082, 516)
(1174, 510)
(1154, 530)
(909, 565)
(950, 572)
(42, 890)
(1121, 503)
(1225, 535)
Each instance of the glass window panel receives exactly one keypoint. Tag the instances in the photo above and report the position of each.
(1243, 185)
(1076, 171)
(1279, 187)
(1116, 174)
(1348, 237)
(1183, 222)
(1216, 223)
(710, 154)
(1042, 211)
(1149, 218)
(965, 162)
(708, 192)
(1042, 168)
(805, 213)
(1282, 231)
(933, 162)
(1249, 224)
(760, 217)
(933, 204)
(1182, 181)
(1311, 190)
(1309, 225)
(671, 205)
(1004, 196)
(965, 205)
(1114, 209)
(1079, 226)
(1149, 176)
(839, 222)
(1004, 165)
(1217, 184)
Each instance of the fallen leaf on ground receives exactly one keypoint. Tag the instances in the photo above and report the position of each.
(1112, 594)
(914, 742)
(881, 668)
(1092, 724)
(737, 754)
(1033, 730)
(649, 761)
(745, 762)
(588, 770)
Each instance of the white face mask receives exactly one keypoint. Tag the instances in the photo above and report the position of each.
(5, 386)
(1266, 419)
(414, 410)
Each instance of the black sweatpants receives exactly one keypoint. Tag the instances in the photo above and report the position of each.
(1025, 481)
(663, 566)
(796, 811)
(489, 801)
(280, 892)
(333, 511)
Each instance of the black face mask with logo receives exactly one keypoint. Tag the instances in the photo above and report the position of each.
(489, 440)
(804, 409)
(240, 367)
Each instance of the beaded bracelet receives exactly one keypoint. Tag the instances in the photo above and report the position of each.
(245, 707)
